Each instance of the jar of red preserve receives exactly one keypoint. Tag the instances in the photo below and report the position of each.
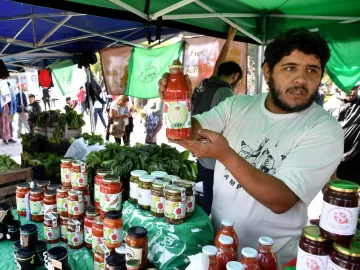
(62, 201)
(266, 256)
(75, 234)
(79, 174)
(344, 257)
(21, 191)
(110, 194)
(49, 201)
(88, 222)
(98, 178)
(37, 204)
(226, 253)
(211, 251)
(75, 204)
(97, 233)
(66, 172)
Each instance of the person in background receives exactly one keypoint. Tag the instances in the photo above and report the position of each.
(22, 104)
(46, 97)
(33, 110)
(69, 106)
(154, 113)
(98, 109)
(320, 97)
(81, 99)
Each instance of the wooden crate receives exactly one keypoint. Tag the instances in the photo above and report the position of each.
(8, 182)
(40, 131)
(71, 133)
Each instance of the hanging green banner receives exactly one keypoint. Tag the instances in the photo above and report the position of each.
(62, 72)
(146, 68)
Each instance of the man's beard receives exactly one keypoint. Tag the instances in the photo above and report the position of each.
(280, 103)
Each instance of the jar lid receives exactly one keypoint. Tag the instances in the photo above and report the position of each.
(28, 228)
(54, 186)
(226, 240)
(158, 183)
(313, 233)
(50, 192)
(5, 206)
(121, 250)
(111, 178)
(343, 186)
(43, 183)
(175, 189)
(233, 265)
(23, 185)
(159, 174)
(266, 241)
(92, 212)
(172, 177)
(17, 245)
(77, 163)
(137, 231)
(113, 214)
(14, 224)
(147, 178)
(41, 245)
(353, 251)
(98, 220)
(228, 222)
(37, 190)
(66, 160)
(184, 183)
(209, 250)
(249, 252)
(104, 171)
(176, 66)
(24, 253)
(115, 260)
(57, 253)
(63, 189)
(138, 173)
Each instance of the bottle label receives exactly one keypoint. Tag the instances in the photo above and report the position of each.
(157, 204)
(177, 114)
(133, 253)
(175, 210)
(62, 204)
(88, 234)
(133, 190)
(79, 179)
(75, 238)
(37, 208)
(76, 208)
(97, 193)
(339, 220)
(65, 175)
(190, 200)
(96, 241)
(48, 208)
(20, 204)
(333, 266)
(306, 261)
(113, 236)
(63, 231)
(99, 265)
(144, 196)
(110, 202)
(51, 233)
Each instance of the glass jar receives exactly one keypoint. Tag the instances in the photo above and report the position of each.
(28, 236)
(49, 201)
(75, 204)
(137, 245)
(37, 204)
(21, 191)
(99, 258)
(234, 266)
(90, 215)
(175, 205)
(62, 201)
(13, 230)
(228, 229)
(177, 108)
(113, 229)
(66, 172)
(25, 259)
(79, 174)
(97, 233)
(16, 246)
(211, 251)
(85, 191)
(342, 257)
(249, 260)
(225, 252)
(169, 178)
(144, 191)
(313, 246)
(6, 207)
(98, 178)
(159, 174)
(43, 185)
(110, 194)
(266, 257)
(157, 204)
(39, 253)
(75, 234)
(53, 186)
(51, 228)
(115, 262)
(339, 213)
(134, 181)
(63, 228)
(190, 195)
(58, 258)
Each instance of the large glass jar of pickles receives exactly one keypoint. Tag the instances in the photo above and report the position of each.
(134, 181)
(157, 198)
(144, 191)
(175, 204)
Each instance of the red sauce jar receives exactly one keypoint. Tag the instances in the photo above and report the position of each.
(49, 201)
(75, 234)
(228, 229)
(342, 257)
(97, 233)
(233, 265)
(177, 108)
(21, 191)
(63, 228)
(211, 251)
(51, 228)
(75, 204)
(266, 257)
(113, 229)
(137, 245)
(249, 260)
(98, 178)
(314, 249)
(226, 253)
(99, 258)
(37, 204)
(79, 174)
(110, 194)
(62, 201)
(85, 191)
(90, 215)
(65, 168)
(340, 210)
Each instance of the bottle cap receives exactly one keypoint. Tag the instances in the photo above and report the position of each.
(227, 222)
(226, 240)
(249, 252)
(210, 250)
(234, 266)
(266, 241)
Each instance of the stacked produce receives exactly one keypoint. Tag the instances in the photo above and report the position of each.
(7, 163)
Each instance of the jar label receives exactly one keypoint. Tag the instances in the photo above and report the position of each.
(307, 261)
(65, 175)
(333, 266)
(48, 208)
(157, 204)
(144, 196)
(76, 208)
(20, 204)
(97, 193)
(37, 208)
(177, 114)
(339, 220)
(79, 179)
(88, 235)
(113, 236)
(62, 204)
(175, 210)
(99, 265)
(96, 241)
(75, 238)
(133, 253)
(110, 202)
(51, 233)
(190, 203)
(87, 202)
(63, 231)
(134, 190)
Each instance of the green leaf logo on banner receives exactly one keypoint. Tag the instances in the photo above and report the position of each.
(62, 72)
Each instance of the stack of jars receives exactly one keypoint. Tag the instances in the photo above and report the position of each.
(334, 243)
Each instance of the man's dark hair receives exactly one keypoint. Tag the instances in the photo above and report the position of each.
(296, 39)
(31, 95)
(68, 98)
(230, 68)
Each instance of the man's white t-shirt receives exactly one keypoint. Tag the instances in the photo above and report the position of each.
(301, 149)
(121, 110)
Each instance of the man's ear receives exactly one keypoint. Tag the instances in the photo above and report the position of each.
(266, 71)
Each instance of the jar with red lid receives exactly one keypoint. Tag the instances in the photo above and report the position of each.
(98, 178)
(97, 232)
(43, 184)
(79, 174)
(266, 257)
(90, 215)
(21, 191)
(51, 228)
(211, 251)
(113, 229)
(37, 204)
(62, 201)
(137, 245)
(313, 247)
(110, 194)
(63, 228)
(344, 257)
(340, 210)
(49, 201)
(75, 204)
(75, 233)
(226, 252)
(86, 196)
(66, 172)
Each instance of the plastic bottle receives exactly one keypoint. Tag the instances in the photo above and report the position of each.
(226, 252)
(249, 259)
(266, 257)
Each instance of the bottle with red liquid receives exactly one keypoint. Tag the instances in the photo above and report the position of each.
(177, 109)
(211, 251)
(234, 266)
(226, 253)
(266, 257)
(228, 229)
(249, 259)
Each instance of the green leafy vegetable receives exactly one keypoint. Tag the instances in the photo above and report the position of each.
(7, 163)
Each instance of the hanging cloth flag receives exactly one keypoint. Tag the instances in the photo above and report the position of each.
(62, 72)
(146, 68)
(45, 79)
